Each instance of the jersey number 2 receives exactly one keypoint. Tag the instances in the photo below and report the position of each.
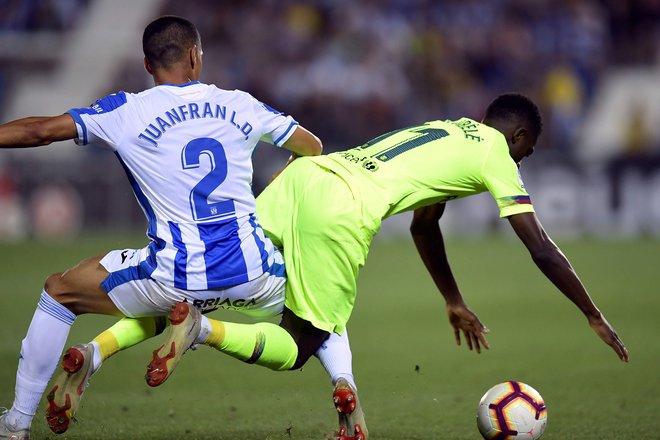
(202, 208)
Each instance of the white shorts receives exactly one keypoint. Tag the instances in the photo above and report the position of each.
(136, 296)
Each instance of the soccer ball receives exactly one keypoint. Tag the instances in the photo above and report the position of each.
(511, 411)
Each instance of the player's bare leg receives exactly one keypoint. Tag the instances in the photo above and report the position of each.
(351, 417)
(79, 288)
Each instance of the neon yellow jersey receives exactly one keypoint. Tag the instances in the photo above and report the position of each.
(431, 163)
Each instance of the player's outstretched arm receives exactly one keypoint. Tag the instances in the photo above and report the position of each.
(556, 267)
(427, 236)
(36, 131)
(303, 143)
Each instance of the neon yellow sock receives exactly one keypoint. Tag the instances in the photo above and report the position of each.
(262, 343)
(127, 332)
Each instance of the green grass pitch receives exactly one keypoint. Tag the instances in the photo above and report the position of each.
(414, 382)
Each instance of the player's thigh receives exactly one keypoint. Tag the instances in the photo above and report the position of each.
(79, 288)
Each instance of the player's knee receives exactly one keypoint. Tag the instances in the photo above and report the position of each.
(53, 284)
(57, 288)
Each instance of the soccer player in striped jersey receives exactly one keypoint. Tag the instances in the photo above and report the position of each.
(186, 148)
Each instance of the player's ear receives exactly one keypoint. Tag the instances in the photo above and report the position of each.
(147, 66)
(192, 55)
(519, 134)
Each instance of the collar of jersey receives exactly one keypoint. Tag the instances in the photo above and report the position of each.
(181, 85)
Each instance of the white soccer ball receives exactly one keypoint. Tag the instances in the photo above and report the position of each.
(512, 411)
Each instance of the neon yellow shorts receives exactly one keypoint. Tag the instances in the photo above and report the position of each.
(313, 215)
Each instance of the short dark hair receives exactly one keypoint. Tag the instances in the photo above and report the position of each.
(515, 107)
(167, 39)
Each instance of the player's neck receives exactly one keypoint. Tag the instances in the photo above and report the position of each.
(173, 77)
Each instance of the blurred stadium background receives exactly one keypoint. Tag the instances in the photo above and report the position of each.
(349, 71)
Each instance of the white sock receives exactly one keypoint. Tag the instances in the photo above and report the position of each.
(336, 357)
(97, 360)
(205, 331)
(40, 353)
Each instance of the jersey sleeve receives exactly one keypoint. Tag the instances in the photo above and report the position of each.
(104, 119)
(503, 181)
(277, 126)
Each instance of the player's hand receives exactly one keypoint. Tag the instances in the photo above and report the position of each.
(605, 331)
(465, 321)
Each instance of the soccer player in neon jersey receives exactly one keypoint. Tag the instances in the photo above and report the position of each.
(186, 148)
(324, 211)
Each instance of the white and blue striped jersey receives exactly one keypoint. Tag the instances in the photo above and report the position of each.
(187, 152)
